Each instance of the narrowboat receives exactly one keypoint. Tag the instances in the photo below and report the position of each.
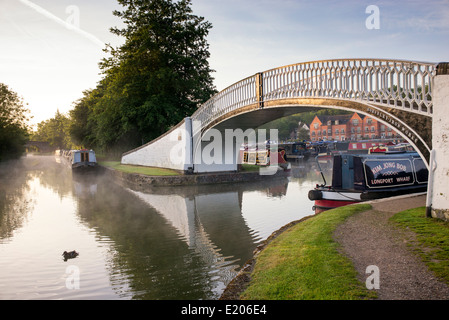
(391, 148)
(362, 177)
(264, 155)
(296, 151)
(77, 159)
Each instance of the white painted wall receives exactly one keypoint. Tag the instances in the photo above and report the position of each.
(440, 145)
(172, 150)
(213, 154)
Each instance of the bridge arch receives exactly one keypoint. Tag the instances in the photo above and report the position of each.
(400, 93)
(395, 92)
(252, 117)
(39, 146)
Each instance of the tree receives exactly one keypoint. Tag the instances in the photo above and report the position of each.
(83, 126)
(55, 131)
(14, 127)
(157, 77)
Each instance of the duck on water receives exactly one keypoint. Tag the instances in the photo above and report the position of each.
(70, 255)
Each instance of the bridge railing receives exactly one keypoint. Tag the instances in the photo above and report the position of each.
(399, 84)
(234, 97)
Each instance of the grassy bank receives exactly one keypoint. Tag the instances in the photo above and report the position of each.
(429, 240)
(303, 263)
(150, 171)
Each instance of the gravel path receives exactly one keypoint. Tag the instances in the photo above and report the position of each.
(368, 239)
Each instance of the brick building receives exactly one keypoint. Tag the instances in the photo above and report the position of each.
(349, 127)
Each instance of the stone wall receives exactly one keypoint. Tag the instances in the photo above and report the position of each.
(140, 180)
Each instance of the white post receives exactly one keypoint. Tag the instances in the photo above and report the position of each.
(440, 144)
(188, 161)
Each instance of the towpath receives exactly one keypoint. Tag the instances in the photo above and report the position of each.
(368, 239)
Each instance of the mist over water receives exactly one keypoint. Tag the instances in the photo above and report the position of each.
(148, 243)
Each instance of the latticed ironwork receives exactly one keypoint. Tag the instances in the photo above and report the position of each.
(400, 84)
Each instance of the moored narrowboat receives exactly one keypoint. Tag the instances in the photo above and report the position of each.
(77, 159)
(264, 155)
(363, 177)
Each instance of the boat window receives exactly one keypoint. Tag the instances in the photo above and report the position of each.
(359, 177)
(421, 171)
(336, 172)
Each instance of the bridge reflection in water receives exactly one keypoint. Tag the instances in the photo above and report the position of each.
(161, 243)
(223, 224)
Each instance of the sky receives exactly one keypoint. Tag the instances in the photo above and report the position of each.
(50, 49)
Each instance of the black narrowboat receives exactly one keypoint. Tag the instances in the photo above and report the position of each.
(362, 177)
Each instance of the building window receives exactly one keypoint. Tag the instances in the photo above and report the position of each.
(382, 128)
(342, 131)
(315, 125)
(373, 129)
(366, 129)
(355, 122)
(337, 122)
(369, 120)
(337, 131)
(329, 123)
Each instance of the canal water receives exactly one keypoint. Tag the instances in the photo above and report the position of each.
(154, 243)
